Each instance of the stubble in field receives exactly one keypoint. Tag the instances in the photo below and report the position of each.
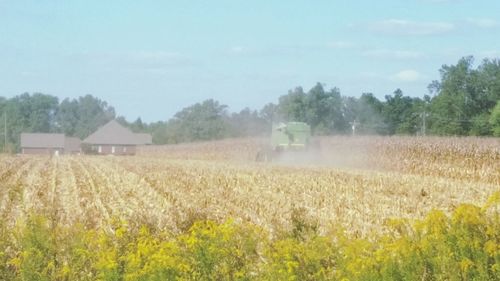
(354, 183)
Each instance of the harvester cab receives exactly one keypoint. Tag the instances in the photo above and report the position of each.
(290, 136)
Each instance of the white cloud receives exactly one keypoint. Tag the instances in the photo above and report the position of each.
(270, 51)
(406, 27)
(393, 54)
(138, 60)
(241, 51)
(408, 75)
(340, 45)
(286, 50)
(483, 22)
(157, 59)
(238, 50)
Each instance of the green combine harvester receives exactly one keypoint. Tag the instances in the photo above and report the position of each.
(285, 138)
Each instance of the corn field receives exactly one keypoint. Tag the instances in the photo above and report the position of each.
(356, 186)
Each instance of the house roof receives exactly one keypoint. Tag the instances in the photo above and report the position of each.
(72, 144)
(114, 133)
(42, 140)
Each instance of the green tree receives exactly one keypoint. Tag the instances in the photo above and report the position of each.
(43, 111)
(292, 107)
(399, 113)
(3, 108)
(495, 120)
(480, 125)
(35, 113)
(367, 112)
(137, 126)
(201, 121)
(324, 110)
(450, 107)
(464, 97)
(489, 93)
(321, 109)
(81, 117)
(247, 122)
(68, 116)
(270, 114)
(28, 113)
(158, 132)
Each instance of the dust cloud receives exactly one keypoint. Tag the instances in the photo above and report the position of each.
(339, 152)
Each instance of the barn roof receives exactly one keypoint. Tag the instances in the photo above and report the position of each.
(114, 133)
(42, 140)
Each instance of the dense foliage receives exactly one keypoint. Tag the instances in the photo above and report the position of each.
(42, 113)
(463, 246)
(465, 98)
(462, 103)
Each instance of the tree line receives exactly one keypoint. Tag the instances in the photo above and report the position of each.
(465, 101)
(43, 113)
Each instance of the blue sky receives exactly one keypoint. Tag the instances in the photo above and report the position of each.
(152, 58)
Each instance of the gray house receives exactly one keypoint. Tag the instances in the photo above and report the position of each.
(43, 143)
(113, 138)
(72, 145)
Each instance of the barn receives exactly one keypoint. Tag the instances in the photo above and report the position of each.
(49, 144)
(113, 138)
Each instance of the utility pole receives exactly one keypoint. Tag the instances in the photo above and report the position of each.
(354, 124)
(5, 131)
(424, 123)
(424, 119)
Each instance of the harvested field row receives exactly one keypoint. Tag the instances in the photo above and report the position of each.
(169, 192)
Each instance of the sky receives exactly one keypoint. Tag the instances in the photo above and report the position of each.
(150, 59)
